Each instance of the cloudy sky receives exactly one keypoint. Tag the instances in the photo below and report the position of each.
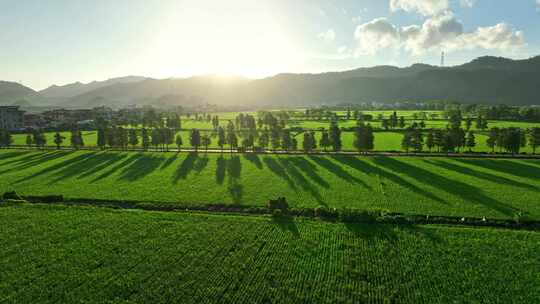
(44, 42)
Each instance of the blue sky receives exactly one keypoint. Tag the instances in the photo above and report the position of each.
(57, 42)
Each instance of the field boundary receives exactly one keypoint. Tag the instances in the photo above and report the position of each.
(320, 213)
(282, 152)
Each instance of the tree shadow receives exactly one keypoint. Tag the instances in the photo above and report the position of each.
(221, 167)
(483, 175)
(462, 190)
(287, 224)
(299, 179)
(37, 159)
(332, 167)
(234, 171)
(390, 232)
(115, 168)
(309, 169)
(186, 167)
(86, 166)
(278, 170)
(57, 166)
(254, 158)
(367, 168)
(12, 154)
(169, 161)
(516, 168)
(141, 166)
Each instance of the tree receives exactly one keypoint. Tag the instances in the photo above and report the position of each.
(29, 140)
(75, 139)
(5, 138)
(493, 136)
(417, 140)
(430, 140)
(81, 138)
(468, 123)
(406, 141)
(156, 138)
(145, 139)
(534, 138)
(39, 139)
(167, 134)
(206, 141)
(438, 139)
(133, 139)
(364, 138)
(275, 138)
(179, 141)
(195, 139)
(58, 140)
(101, 139)
(307, 144)
(325, 140)
(470, 142)
(264, 139)
(335, 136)
(221, 138)
(286, 140)
(401, 122)
(385, 124)
(232, 139)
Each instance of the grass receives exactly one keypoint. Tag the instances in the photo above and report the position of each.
(434, 186)
(57, 254)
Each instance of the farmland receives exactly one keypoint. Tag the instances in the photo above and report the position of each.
(433, 186)
(53, 254)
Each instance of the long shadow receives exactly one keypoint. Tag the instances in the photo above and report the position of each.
(373, 232)
(300, 180)
(465, 191)
(169, 161)
(108, 160)
(309, 169)
(483, 175)
(12, 154)
(143, 165)
(278, 170)
(234, 171)
(367, 168)
(92, 163)
(221, 167)
(337, 170)
(254, 159)
(115, 168)
(287, 223)
(55, 167)
(186, 167)
(516, 168)
(37, 160)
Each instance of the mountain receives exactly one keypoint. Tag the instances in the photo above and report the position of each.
(487, 80)
(59, 94)
(12, 92)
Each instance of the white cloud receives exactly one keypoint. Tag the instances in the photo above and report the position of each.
(469, 3)
(424, 7)
(434, 33)
(439, 32)
(328, 35)
(358, 19)
(375, 35)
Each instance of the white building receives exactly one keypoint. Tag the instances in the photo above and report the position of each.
(11, 118)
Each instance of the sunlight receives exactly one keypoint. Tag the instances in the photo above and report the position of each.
(212, 38)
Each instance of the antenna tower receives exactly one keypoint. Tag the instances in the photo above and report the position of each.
(442, 59)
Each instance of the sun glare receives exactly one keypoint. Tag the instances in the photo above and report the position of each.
(221, 38)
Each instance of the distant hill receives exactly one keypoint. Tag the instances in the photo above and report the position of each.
(11, 92)
(487, 80)
(59, 94)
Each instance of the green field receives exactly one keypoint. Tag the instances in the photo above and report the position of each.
(56, 254)
(434, 186)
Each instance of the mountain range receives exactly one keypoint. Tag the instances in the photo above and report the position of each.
(487, 80)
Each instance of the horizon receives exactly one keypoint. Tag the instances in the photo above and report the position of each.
(59, 42)
(258, 78)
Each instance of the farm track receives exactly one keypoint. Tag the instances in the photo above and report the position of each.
(282, 152)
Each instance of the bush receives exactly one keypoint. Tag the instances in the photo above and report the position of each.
(280, 203)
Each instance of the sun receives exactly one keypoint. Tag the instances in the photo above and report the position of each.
(231, 40)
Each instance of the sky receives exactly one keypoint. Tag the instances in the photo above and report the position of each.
(46, 42)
